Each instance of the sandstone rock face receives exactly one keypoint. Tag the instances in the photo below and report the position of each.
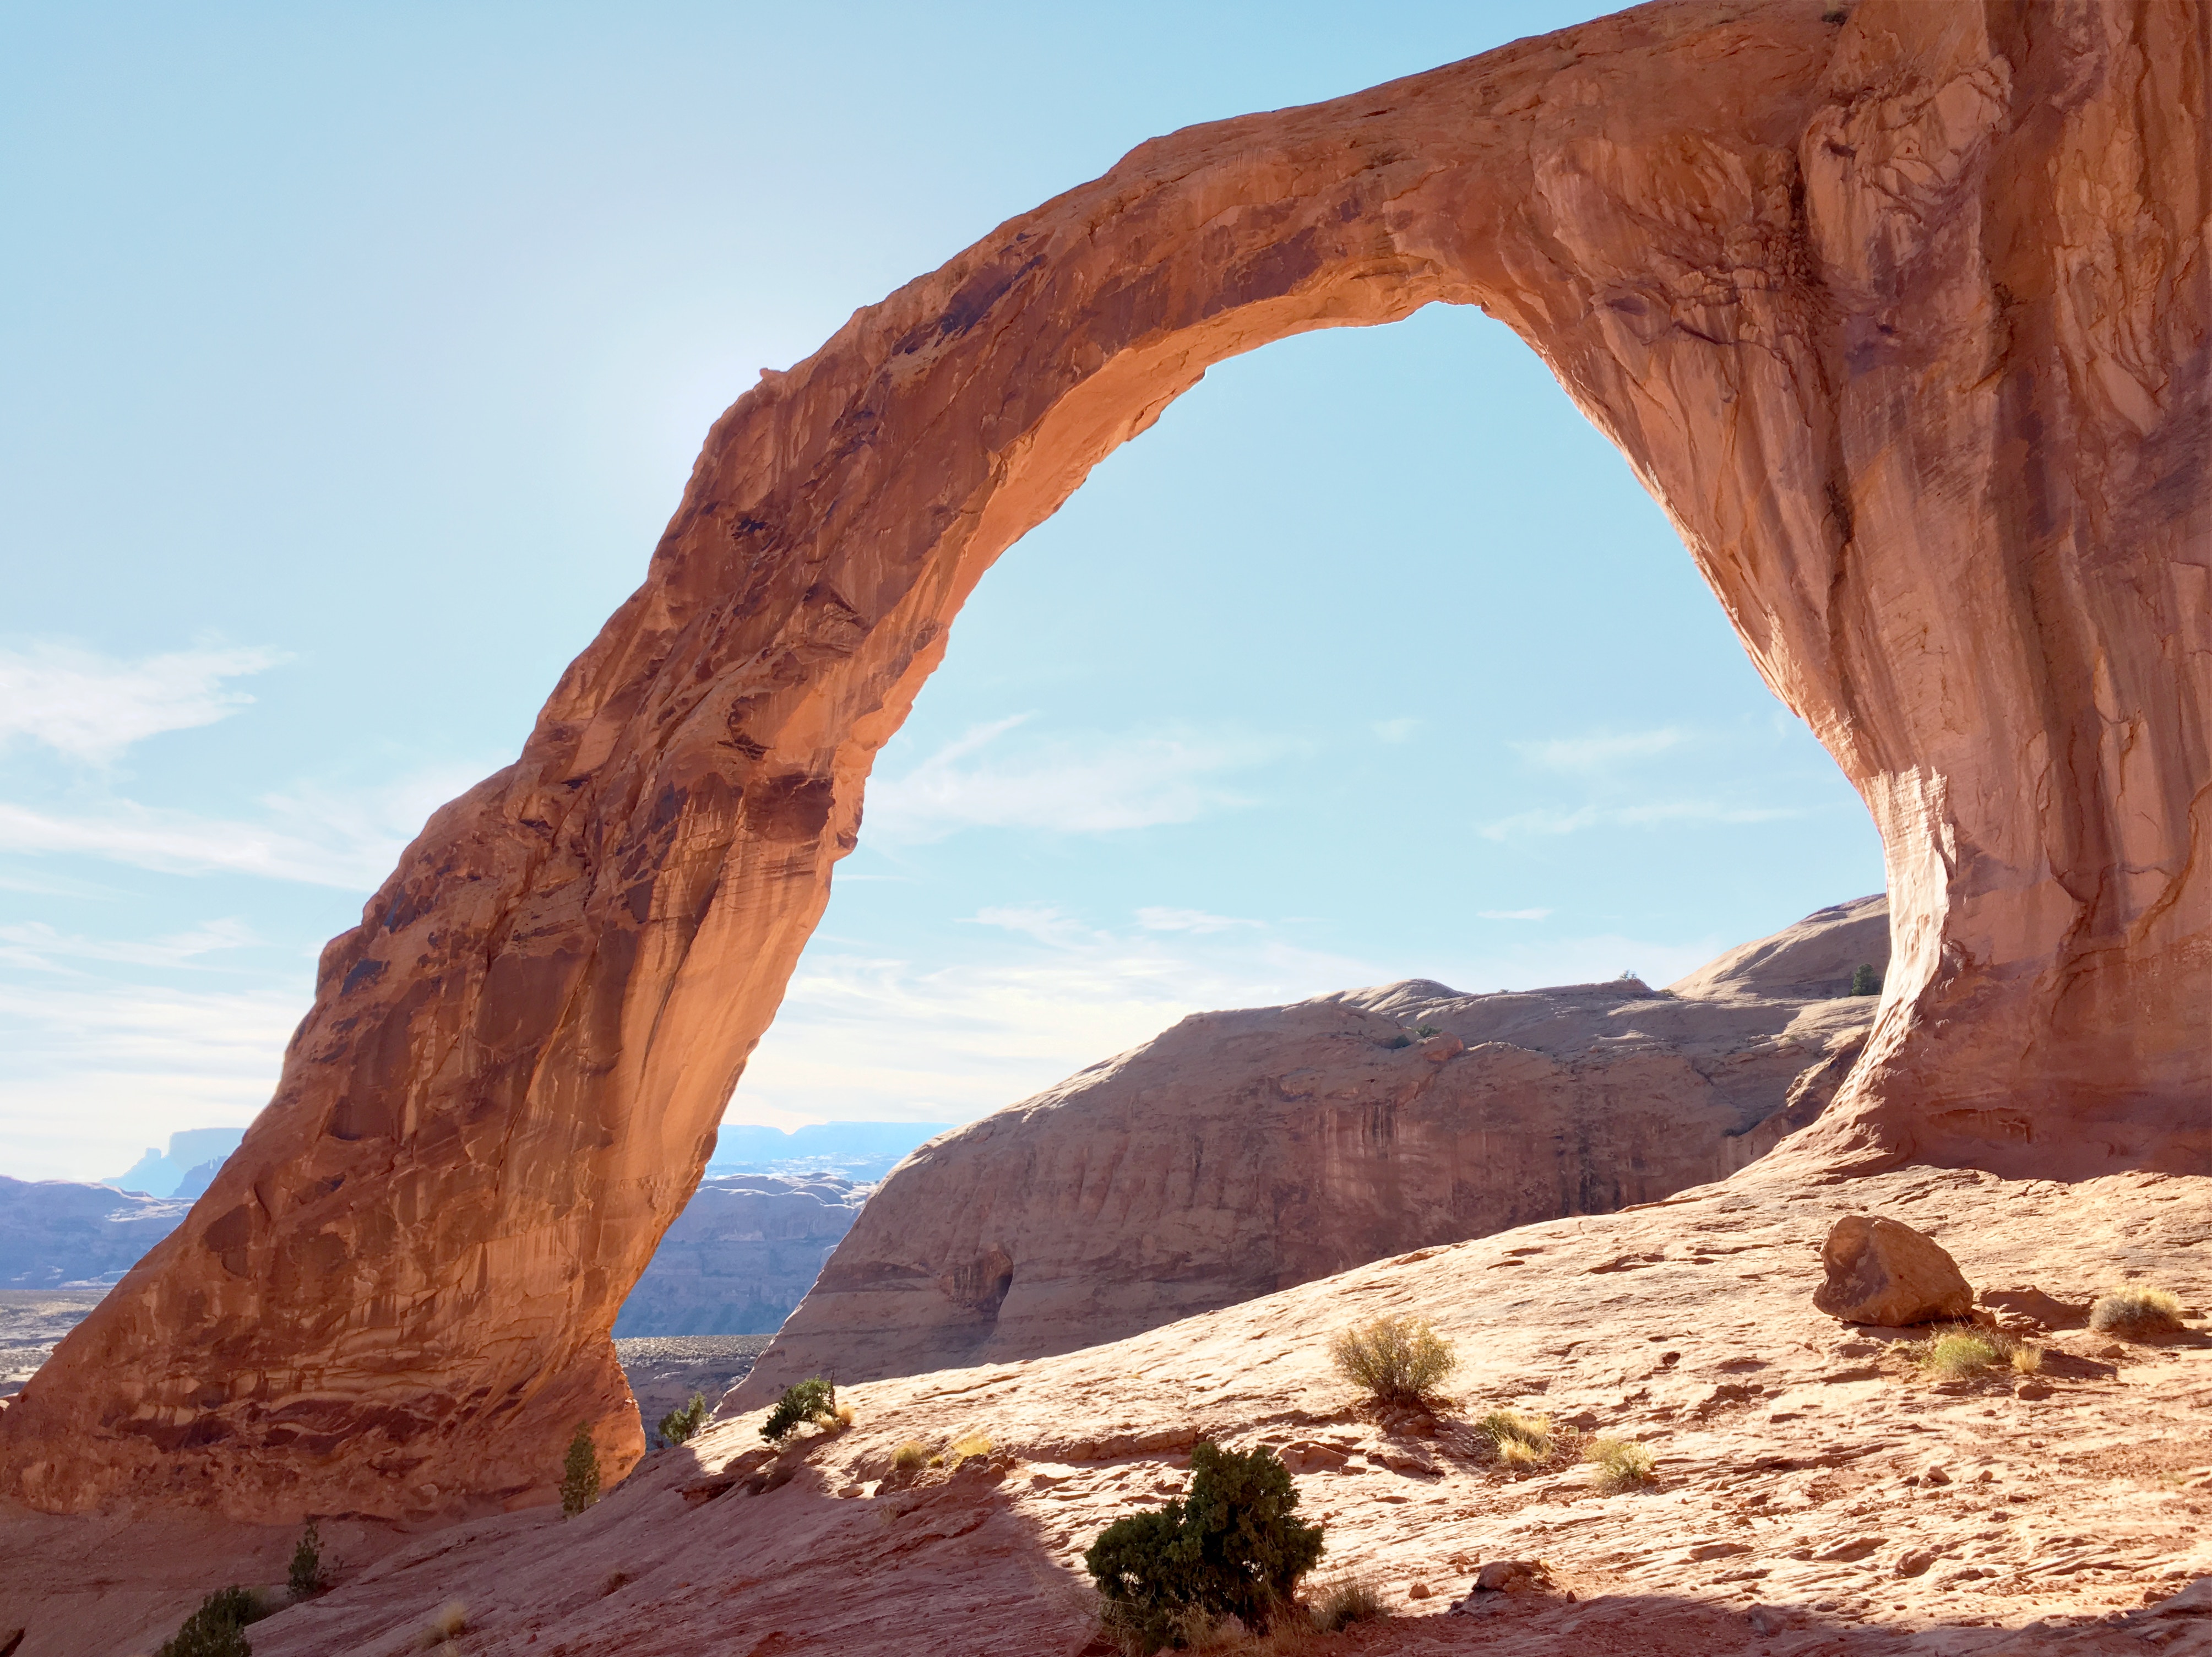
(1883, 1272)
(1240, 1153)
(741, 1255)
(1903, 317)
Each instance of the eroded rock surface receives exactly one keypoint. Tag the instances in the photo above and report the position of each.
(1242, 1152)
(1901, 310)
(1816, 1491)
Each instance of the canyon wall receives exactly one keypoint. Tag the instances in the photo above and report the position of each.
(1244, 1152)
(1902, 316)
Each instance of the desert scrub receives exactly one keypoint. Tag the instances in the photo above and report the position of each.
(579, 1474)
(1335, 1606)
(1522, 1440)
(678, 1425)
(217, 1627)
(1394, 1359)
(305, 1578)
(961, 1448)
(1621, 1464)
(911, 1456)
(1964, 1352)
(813, 1399)
(2134, 1311)
(1229, 1547)
(448, 1625)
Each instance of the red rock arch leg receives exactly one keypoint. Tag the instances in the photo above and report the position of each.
(1902, 321)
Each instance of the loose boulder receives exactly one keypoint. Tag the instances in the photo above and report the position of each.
(1883, 1272)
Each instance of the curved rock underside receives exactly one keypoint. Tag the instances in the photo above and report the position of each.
(1903, 319)
(1240, 1153)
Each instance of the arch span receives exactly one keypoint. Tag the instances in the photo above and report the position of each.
(1824, 284)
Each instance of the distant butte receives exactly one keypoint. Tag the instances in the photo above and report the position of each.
(1899, 309)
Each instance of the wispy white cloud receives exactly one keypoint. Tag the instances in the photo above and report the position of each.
(90, 707)
(1602, 751)
(865, 1036)
(1155, 920)
(1514, 915)
(37, 945)
(1396, 730)
(348, 838)
(1047, 922)
(98, 1072)
(1549, 821)
(1094, 785)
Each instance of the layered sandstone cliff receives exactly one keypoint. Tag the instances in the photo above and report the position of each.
(1901, 312)
(742, 1254)
(1240, 1153)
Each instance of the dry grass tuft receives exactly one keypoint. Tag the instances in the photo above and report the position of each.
(1524, 1442)
(1335, 1606)
(2137, 1311)
(450, 1624)
(844, 1416)
(1394, 1359)
(1621, 1463)
(1966, 1352)
(910, 1455)
(961, 1448)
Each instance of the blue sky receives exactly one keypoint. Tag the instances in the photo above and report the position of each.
(352, 358)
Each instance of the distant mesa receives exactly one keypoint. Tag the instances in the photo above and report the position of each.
(862, 1152)
(742, 1254)
(186, 1168)
(66, 1233)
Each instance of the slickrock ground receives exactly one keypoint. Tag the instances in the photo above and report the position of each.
(745, 1249)
(1795, 1510)
(1242, 1152)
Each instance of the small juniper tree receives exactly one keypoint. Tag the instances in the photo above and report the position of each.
(678, 1425)
(1865, 980)
(217, 1627)
(1230, 1547)
(580, 1475)
(814, 1399)
(305, 1578)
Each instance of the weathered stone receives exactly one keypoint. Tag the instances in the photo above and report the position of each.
(1241, 1152)
(1902, 316)
(1883, 1272)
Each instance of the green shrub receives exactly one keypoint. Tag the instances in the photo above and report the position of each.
(1394, 1360)
(1423, 1032)
(1621, 1463)
(1230, 1547)
(1522, 1441)
(306, 1577)
(2136, 1312)
(579, 1474)
(678, 1425)
(215, 1630)
(1348, 1600)
(808, 1400)
(1865, 980)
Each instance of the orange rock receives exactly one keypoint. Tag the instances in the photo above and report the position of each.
(1902, 318)
(1883, 1272)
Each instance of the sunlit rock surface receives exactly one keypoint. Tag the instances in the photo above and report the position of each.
(1244, 1152)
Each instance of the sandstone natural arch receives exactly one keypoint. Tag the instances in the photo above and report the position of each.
(1903, 318)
